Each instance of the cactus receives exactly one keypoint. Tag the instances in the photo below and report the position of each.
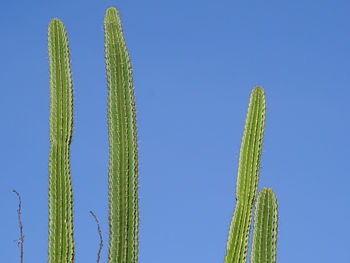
(123, 161)
(247, 178)
(123, 164)
(61, 244)
(265, 228)
(247, 183)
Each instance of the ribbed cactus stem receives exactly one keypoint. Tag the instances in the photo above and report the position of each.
(247, 178)
(61, 245)
(123, 164)
(265, 228)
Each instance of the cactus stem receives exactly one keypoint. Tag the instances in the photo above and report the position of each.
(61, 244)
(123, 162)
(247, 178)
(265, 228)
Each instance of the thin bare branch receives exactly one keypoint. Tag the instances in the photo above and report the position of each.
(20, 223)
(100, 234)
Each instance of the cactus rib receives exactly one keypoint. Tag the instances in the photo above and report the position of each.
(61, 243)
(123, 162)
(265, 228)
(247, 178)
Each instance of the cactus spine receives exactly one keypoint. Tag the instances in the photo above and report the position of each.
(61, 244)
(247, 178)
(123, 164)
(265, 228)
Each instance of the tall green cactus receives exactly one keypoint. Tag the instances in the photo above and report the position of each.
(265, 228)
(61, 244)
(265, 220)
(247, 178)
(123, 161)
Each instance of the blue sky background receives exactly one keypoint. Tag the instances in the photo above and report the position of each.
(194, 65)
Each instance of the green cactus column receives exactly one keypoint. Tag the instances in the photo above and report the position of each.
(123, 164)
(61, 245)
(247, 178)
(265, 228)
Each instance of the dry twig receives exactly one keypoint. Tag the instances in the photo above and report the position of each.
(100, 234)
(20, 223)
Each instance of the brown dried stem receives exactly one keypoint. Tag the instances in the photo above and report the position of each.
(100, 234)
(20, 223)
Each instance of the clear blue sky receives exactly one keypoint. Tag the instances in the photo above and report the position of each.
(194, 65)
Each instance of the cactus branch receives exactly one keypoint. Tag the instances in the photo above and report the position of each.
(247, 178)
(265, 228)
(61, 244)
(123, 162)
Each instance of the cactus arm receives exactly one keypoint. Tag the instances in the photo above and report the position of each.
(60, 196)
(123, 163)
(247, 178)
(265, 228)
